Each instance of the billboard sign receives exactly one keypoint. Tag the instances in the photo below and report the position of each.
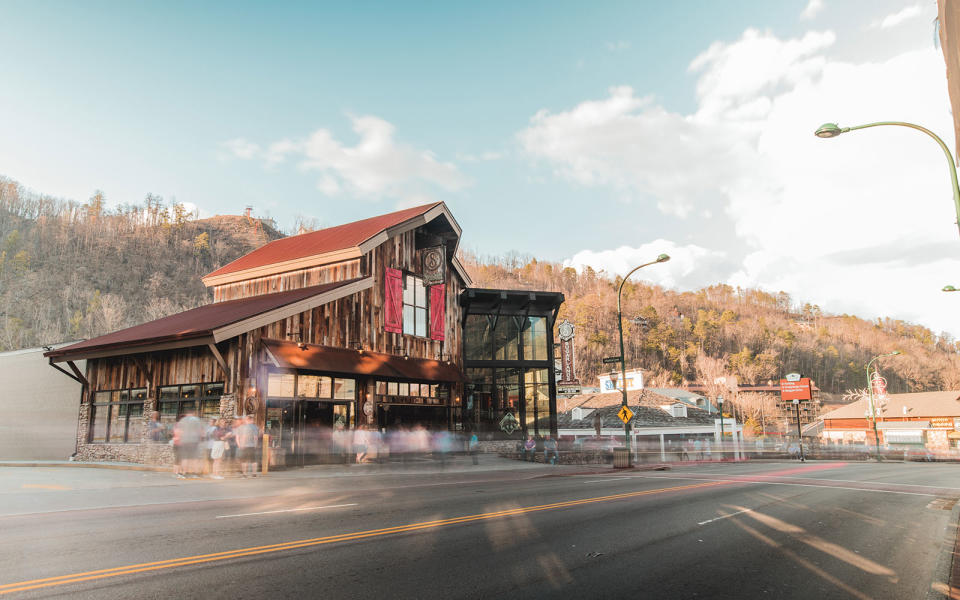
(795, 390)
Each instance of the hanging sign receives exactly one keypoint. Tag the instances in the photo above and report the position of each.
(567, 363)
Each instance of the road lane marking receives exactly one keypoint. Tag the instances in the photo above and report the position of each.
(33, 584)
(44, 486)
(607, 479)
(739, 512)
(934, 487)
(829, 487)
(285, 510)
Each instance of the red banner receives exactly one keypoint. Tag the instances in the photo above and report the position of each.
(393, 301)
(438, 299)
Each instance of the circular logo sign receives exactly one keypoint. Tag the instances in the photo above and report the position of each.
(566, 330)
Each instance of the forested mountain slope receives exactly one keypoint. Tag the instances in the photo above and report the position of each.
(755, 335)
(70, 271)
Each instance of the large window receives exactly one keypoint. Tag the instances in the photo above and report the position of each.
(535, 338)
(117, 416)
(202, 399)
(289, 385)
(410, 393)
(537, 401)
(414, 306)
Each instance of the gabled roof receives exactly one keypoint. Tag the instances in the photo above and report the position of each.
(343, 242)
(644, 415)
(210, 323)
(918, 404)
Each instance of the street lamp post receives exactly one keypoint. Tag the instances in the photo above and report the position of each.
(831, 130)
(623, 364)
(873, 410)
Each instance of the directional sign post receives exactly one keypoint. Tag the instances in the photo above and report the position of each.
(625, 414)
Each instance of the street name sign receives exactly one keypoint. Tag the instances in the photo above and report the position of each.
(611, 359)
(625, 415)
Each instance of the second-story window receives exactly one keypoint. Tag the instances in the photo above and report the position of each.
(414, 306)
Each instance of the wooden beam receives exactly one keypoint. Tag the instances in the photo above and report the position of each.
(138, 349)
(219, 357)
(68, 374)
(76, 371)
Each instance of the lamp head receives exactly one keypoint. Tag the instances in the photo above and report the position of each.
(895, 352)
(949, 288)
(828, 130)
(663, 258)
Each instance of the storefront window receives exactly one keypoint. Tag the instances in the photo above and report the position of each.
(117, 416)
(344, 389)
(478, 338)
(177, 400)
(307, 386)
(537, 401)
(507, 339)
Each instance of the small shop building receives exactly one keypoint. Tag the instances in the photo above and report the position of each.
(921, 420)
(362, 325)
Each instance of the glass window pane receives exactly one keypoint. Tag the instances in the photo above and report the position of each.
(403, 389)
(118, 423)
(100, 416)
(345, 389)
(210, 408)
(535, 339)
(213, 389)
(507, 338)
(121, 396)
(280, 385)
(170, 392)
(537, 401)
(307, 386)
(102, 397)
(134, 423)
(409, 290)
(139, 394)
(325, 387)
(189, 391)
(168, 413)
(392, 388)
(188, 406)
(420, 296)
(421, 320)
(382, 388)
(408, 320)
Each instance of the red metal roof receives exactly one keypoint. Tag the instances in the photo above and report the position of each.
(321, 241)
(354, 362)
(198, 322)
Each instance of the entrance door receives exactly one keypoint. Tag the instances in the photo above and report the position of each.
(284, 432)
(324, 431)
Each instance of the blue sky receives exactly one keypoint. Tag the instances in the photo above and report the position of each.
(592, 133)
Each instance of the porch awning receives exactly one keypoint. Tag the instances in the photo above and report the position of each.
(311, 357)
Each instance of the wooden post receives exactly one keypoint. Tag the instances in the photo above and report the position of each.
(265, 459)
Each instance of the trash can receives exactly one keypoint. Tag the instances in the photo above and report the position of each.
(621, 458)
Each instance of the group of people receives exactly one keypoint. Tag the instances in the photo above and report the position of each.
(369, 444)
(199, 449)
(551, 450)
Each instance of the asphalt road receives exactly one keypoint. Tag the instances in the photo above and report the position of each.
(776, 530)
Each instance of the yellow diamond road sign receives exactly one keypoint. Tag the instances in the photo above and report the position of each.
(625, 414)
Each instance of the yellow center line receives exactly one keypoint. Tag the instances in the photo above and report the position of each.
(33, 584)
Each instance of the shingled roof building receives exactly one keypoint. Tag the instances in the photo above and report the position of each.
(359, 325)
(919, 420)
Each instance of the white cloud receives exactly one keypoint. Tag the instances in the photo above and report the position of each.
(862, 223)
(813, 8)
(894, 19)
(376, 166)
(689, 266)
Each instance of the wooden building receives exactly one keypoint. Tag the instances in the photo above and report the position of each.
(359, 325)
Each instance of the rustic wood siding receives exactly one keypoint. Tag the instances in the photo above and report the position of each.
(283, 282)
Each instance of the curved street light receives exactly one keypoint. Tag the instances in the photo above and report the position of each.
(832, 130)
(623, 365)
(873, 410)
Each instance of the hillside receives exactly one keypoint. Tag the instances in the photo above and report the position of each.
(70, 271)
(755, 335)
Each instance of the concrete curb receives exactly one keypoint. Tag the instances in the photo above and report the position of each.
(88, 465)
(943, 579)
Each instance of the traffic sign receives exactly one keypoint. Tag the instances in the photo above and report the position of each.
(625, 415)
(611, 359)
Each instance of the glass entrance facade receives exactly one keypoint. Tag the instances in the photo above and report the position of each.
(509, 363)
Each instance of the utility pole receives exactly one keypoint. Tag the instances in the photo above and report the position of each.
(796, 403)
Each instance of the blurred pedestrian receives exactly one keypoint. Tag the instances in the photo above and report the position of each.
(156, 431)
(473, 447)
(188, 433)
(247, 435)
(217, 448)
